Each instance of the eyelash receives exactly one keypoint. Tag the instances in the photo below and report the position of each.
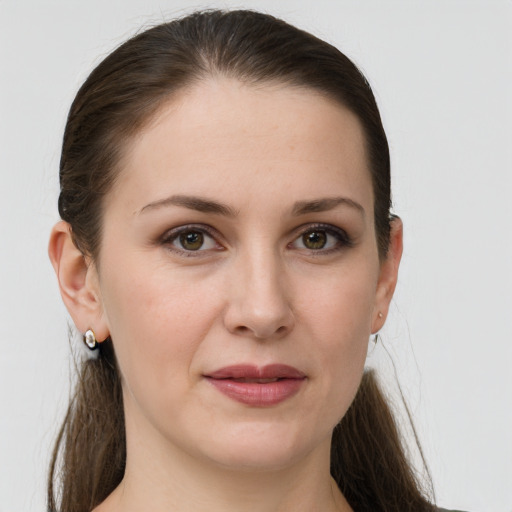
(342, 239)
(173, 235)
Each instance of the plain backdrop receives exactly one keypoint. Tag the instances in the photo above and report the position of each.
(441, 72)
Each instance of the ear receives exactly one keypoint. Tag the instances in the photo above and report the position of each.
(78, 282)
(388, 275)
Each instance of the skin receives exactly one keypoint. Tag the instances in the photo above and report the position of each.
(254, 293)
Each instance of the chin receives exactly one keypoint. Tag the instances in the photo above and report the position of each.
(260, 448)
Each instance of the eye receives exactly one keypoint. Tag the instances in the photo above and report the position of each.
(190, 239)
(315, 239)
(322, 239)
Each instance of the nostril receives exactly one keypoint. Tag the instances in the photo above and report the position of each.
(270, 320)
(261, 333)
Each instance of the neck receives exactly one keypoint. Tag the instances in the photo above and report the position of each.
(171, 480)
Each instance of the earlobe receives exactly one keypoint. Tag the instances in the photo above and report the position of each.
(78, 282)
(388, 275)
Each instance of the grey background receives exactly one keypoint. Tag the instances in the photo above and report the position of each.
(442, 74)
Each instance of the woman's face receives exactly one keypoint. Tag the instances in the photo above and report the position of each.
(238, 239)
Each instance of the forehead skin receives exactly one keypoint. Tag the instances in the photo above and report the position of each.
(279, 132)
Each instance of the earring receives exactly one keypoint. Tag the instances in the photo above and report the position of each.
(380, 315)
(376, 338)
(90, 339)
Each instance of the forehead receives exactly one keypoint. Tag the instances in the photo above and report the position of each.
(222, 136)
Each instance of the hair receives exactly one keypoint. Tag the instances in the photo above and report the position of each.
(120, 96)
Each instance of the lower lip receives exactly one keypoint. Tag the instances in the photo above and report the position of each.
(256, 394)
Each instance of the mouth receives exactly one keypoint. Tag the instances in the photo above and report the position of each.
(257, 386)
(258, 381)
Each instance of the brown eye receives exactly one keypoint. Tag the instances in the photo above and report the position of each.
(322, 239)
(191, 240)
(314, 239)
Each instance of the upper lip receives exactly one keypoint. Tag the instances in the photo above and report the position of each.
(245, 371)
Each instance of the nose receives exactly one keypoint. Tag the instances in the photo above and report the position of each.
(259, 305)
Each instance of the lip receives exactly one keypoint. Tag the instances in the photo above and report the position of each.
(257, 386)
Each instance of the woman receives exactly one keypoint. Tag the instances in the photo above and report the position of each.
(227, 245)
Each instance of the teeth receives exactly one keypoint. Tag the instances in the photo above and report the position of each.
(258, 381)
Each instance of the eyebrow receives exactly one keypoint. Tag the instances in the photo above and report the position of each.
(325, 204)
(204, 205)
(199, 204)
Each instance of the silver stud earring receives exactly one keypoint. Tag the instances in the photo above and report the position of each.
(90, 339)
(380, 315)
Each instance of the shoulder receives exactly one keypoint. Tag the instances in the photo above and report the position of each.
(446, 510)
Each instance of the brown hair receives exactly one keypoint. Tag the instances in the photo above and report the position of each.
(114, 103)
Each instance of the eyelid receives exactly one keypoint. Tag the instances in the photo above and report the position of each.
(172, 234)
(345, 241)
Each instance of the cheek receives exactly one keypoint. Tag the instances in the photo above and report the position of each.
(157, 320)
(340, 304)
(340, 318)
